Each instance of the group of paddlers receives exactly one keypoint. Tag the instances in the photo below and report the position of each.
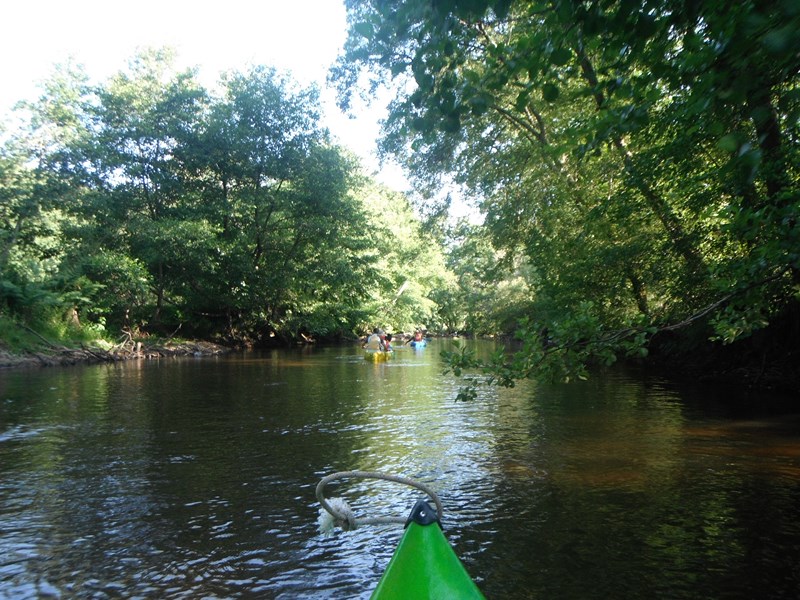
(378, 340)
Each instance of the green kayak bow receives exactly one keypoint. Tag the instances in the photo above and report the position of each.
(424, 564)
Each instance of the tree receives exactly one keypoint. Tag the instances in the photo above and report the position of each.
(491, 291)
(291, 255)
(30, 234)
(145, 202)
(410, 262)
(621, 146)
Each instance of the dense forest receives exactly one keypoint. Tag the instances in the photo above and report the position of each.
(635, 162)
(148, 205)
(638, 157)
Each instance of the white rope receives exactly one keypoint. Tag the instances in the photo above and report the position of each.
(341, 515)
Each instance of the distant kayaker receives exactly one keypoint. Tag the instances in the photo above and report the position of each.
(418, 337)
(374, 341)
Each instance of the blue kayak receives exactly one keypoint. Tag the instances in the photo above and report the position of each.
(418, 344)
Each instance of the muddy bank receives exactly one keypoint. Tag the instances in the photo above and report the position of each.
(62, 356)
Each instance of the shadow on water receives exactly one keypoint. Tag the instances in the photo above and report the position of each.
(195, 478)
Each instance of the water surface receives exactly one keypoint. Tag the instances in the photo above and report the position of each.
(189, 478)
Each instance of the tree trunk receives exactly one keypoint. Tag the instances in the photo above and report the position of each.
(765, 120)
(639, 292)
(681, 241)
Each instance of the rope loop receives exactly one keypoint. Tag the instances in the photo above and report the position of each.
(342, 514)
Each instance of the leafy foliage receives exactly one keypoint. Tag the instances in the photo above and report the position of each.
(147, 203)
(641, 156)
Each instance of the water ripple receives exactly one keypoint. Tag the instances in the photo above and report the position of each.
(196, 479)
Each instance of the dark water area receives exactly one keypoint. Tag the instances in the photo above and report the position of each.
(194, 478)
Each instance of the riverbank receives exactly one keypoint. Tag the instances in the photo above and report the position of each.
(768, 359)
(752, 364)
(63, 356)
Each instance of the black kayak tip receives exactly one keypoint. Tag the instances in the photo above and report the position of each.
(423, 514)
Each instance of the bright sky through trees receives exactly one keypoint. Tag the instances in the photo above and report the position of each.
(302, 36)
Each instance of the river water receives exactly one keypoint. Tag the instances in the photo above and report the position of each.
(195, 478)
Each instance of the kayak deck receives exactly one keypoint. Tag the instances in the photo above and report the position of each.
(424, 564)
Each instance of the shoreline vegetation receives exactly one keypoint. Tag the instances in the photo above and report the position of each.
(746, 365)
(637, 197)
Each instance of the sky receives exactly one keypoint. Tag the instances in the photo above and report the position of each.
(301, 36)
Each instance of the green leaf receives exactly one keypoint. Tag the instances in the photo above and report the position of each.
(561, 56)
(716, 128)
(779, 41)
(728, 143)
(364, 29)
(479, 105)
(501, 8)
(646, 27)
(451, 124)
(420, 124)
(398, 68)
(522, 101)
(564, 10)
(550, 92)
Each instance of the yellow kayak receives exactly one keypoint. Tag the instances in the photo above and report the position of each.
(377, 355)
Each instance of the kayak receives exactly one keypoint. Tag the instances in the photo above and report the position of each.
(418, 344)
(377, 355)
(424, 564)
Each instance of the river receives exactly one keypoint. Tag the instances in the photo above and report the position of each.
(195, 478)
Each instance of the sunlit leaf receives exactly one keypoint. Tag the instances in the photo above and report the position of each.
(364, 29)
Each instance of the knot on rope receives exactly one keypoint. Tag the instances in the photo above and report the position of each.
(342, 516)
(335, 512)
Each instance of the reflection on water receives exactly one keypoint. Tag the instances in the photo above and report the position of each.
(195, 478)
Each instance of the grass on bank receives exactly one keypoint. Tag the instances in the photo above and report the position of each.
(47, 336)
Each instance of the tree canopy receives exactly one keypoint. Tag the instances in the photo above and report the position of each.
(635, 162)
(641, 155)
(147, 203)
